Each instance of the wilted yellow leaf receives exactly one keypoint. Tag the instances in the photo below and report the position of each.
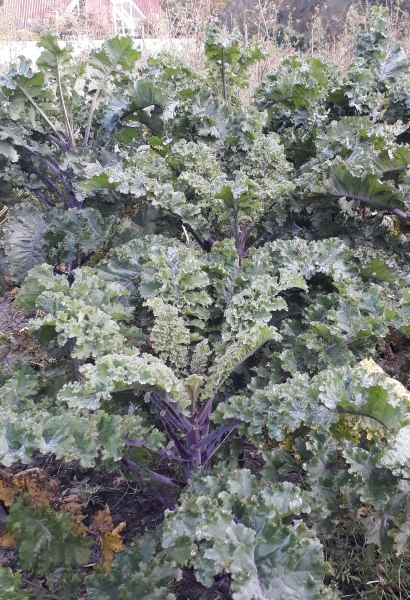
(110, 544)
(8, 540)
(108, 536)
(77, 525)
(288, 443)
(102, 522)
(41, 488)
(8, 490)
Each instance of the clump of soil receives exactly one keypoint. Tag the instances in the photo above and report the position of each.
(11, 319)
(395, 357)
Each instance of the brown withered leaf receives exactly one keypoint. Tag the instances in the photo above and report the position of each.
(77, 525)
(8, 540)
(102, 522)
(108, 535)
(110, 544)
(8, 489)
(42, 489)
(73, 503)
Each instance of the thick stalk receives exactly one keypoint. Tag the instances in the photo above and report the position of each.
(70, 132)
(223, 75)
(63, 146)
(373, 204)
(153, 474)
(384, 207)
(239, 243)
(31, 168)
(54, 167)
(40, 111)
(193, 438)
(92, 109)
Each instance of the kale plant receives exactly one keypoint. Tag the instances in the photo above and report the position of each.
(203, 276)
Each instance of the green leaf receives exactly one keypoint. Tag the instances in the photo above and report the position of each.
(231, 522)
(142, 571)
(247, 343)
(38, 280)
(7, 149)
(24, 244)
(368, 190)
(290, 563)
(378, 269)
(117, 372)
(10, 585)
(45, 538)
(115, 53)
(170, 336)
(86, 312)
(72, 231)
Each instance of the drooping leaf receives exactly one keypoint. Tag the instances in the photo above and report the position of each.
(24, 232)
(368, 190)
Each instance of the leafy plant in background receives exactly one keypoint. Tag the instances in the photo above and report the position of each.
(53, 135)
(224, 269)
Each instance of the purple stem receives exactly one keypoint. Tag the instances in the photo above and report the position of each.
(62, 144)
(204, 412)
(186, 423)
(177, 417)
(43, 198)
(133, 466)
(57, 172)
(192, 439)
(54, 167)
(210, 451)
(49, 183)
(222, 430)
(160, 451)
(184, 454)
(166, 413)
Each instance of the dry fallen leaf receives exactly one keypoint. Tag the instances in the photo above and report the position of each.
(102, 522)
(42, 489)
(77, 525)
(108, 536)
(73, 503)
(110, 544)
(8, 540)
(8, 489)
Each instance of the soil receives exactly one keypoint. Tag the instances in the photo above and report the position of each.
(395, 358)
(13, 330)
(11, 319)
